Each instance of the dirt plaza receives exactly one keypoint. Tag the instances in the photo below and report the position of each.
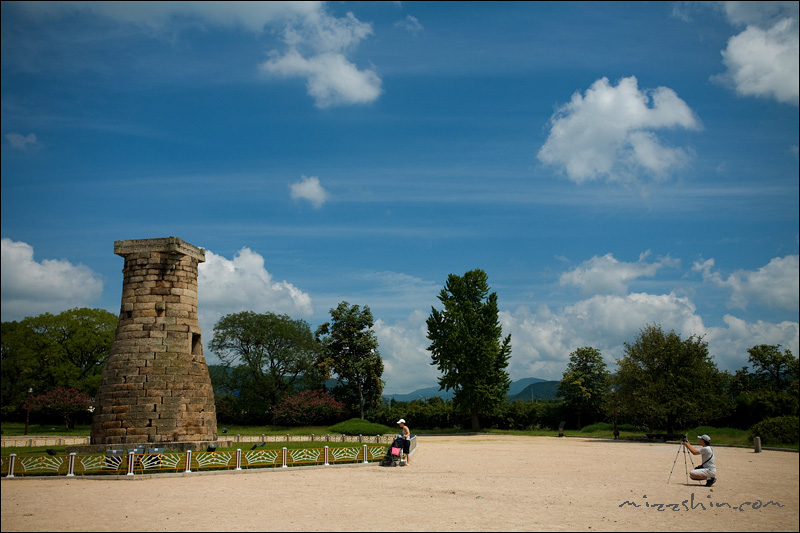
(455, 483)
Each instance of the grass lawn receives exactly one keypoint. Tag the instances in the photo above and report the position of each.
(719, 436)
(17, 429)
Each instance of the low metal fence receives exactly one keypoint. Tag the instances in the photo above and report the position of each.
(132, 463)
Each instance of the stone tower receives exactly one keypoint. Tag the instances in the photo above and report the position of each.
(155, 386)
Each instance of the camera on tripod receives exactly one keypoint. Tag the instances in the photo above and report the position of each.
(684, 438)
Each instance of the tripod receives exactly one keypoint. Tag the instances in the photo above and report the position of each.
(686, 463)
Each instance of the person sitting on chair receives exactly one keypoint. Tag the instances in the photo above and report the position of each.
(705, 470)
(406, 440)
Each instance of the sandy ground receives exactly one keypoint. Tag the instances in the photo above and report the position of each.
(477, 483)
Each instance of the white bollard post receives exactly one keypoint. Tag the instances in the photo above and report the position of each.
(71, 468)
(757, 444)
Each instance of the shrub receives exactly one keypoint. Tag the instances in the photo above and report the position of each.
(308, 408)
(359, 426)
(779, 430)
(62, 401)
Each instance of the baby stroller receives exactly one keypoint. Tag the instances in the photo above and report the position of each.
(392, 457)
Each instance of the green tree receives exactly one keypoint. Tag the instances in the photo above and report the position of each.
(770, 390)
(48, 351)
(350, 351)
(668, 381)
(269, 355)
(584, 384)
(773, 369)
(466, 345)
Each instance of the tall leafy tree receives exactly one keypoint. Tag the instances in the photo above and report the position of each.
(667, 380)
(269, 354)
(584, 384)
(48, 351)
(467, 345)
(771, 389)
(350, 352)
(773, 369)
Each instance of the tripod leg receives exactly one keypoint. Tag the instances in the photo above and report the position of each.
(675, 461)
(685, 453)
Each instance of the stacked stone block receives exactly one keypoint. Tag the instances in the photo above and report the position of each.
(155, 386)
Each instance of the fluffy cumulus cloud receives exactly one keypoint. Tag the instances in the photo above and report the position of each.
(775, 284)
(609, 132)
(545, 339)
(404, 349)
(542, 339)
(608, 275)
(30, 288)
(314, 44)
(21, 142)
(227, 286)
(309, 189)
(763, 59)
(316, 47)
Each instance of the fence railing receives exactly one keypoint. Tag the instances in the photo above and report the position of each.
(133, 462)
(21, 442)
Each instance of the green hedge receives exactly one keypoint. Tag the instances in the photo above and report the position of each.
(779, 430)
(359, 426)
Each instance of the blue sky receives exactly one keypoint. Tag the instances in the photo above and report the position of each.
(609, 165)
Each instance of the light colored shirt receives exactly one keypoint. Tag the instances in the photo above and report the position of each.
(707, 454)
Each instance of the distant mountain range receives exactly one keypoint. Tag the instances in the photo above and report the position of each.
(522, 389)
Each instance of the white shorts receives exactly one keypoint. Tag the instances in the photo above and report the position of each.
(705, 472)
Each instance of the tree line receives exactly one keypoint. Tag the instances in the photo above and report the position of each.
(275, 370)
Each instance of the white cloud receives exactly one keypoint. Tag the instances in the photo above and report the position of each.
(729, 344)
(410, 24)
(542, 340)
(763, 59)
(30, 288)
(608, 275)
(404, 349)
(317, 44)
(609, 133)
(775, 284)
(309, 189)
(226, 286)
(21, 142)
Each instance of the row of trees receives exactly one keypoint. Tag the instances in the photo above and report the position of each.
(664, 382)
(275, 369)
(269, 359)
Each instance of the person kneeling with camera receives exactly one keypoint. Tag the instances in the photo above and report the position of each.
(705, 470)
